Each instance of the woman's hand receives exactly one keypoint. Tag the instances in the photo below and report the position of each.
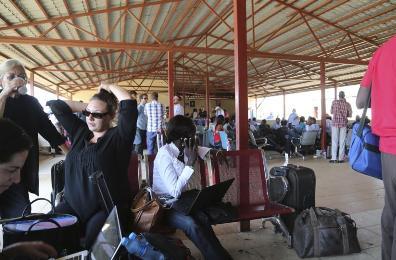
(190, 150)
(11, 86)
(33, 250)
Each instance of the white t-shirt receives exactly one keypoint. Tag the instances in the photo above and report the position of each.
(178, 110)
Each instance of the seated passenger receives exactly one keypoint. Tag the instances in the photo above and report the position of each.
(301, 126)
(216, 134)
(97, 147)
(173, 173)
(14, 148)
(312, 125)
(277, 124)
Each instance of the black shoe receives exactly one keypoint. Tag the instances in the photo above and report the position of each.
(341, 161)
(333, 161)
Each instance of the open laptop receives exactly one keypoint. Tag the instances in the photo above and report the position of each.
(193, 200)
(107, 242)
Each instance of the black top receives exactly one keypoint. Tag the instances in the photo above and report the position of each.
(110, 154)
(27, 112)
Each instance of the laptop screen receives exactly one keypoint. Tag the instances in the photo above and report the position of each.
(108, 239)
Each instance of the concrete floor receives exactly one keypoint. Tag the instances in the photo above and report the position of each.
(337, 186)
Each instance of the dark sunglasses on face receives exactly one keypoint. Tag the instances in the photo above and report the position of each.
(12, 76)
(95, 115)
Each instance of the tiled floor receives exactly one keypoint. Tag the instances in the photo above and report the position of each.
(337, 187)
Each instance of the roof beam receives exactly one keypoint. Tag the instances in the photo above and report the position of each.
(165, 48)
(90, 13)
(373, 43)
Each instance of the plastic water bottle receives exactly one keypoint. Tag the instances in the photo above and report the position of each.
(138, 246)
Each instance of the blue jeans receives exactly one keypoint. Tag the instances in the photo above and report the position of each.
(200, 232)
(151, 141)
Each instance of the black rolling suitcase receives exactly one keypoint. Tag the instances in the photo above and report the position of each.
(300, 193)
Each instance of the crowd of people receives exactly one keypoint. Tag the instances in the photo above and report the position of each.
(97, 145)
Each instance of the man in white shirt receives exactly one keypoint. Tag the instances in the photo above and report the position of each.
(293, 118)
(173, 173)
(219, 111)
(312, 125)
(177, 108)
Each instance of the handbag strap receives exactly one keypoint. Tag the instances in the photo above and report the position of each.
(315, 226)
(363, 118)
(344, 232)
(25, 210)
(142, 207)
(42, 221)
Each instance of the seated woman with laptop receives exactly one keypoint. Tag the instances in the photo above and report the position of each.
(174, 173)
(14, 148)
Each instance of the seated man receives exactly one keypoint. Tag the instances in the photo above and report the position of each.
(173, 173)
(312, 125)
(14, 149)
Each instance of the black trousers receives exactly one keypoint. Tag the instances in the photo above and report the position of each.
(90, 228)
(13, 201)
(388, 219)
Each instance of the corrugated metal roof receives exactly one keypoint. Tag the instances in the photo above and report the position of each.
(61, 48)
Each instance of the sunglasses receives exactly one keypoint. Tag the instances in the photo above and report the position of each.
(12, 76)
(94, 115)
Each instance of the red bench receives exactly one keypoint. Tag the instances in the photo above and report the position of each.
(248, 193)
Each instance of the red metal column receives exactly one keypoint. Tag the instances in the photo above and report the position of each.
(284, 105)
(171, 82)
(207, 100)
(335, 91)
(31, 83)
(323, 104)
(241, 96)
(240, 61)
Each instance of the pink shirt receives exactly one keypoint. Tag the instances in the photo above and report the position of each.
(381, 75)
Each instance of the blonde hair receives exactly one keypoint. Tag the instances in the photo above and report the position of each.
(9, 64)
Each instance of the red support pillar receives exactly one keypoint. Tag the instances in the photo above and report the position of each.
(171, 83)
(31, 83)
(335, 91)
(241, 94)
(207, 100)
(323, 104)
(284, 105)
(240, 60)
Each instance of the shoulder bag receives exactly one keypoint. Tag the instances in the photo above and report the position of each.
(59, 230)
(364, 154)
(147, 212)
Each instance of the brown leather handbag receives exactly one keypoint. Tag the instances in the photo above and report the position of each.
(147, 212)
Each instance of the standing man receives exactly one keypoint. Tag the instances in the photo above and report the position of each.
(141, 126)
(219, 111)
(155, 117)
(380, 76)
(27, 112)
(341, 110)
(293, 118)
(133, 94)
(178, 109)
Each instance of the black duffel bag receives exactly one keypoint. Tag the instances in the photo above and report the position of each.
(59, 230)
(324, 232)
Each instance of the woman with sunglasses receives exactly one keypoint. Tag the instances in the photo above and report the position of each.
(96, 146)
(27, 112)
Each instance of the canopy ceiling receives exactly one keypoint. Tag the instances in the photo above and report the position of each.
(74, 45)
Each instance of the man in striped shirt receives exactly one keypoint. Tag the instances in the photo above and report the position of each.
(341, 110)
(155, 117)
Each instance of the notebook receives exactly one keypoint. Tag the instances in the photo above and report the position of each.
(193, 200)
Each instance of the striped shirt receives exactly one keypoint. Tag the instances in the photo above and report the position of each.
(341, 110)
(155, 115)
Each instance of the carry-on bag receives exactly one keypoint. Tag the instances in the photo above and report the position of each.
(324, 232)
(57, 181)
(59, 230)
(300, 193)
(364, 154)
